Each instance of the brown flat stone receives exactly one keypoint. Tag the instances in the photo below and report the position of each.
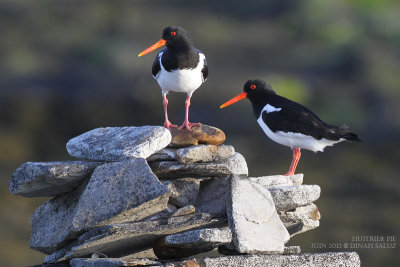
(202, 134)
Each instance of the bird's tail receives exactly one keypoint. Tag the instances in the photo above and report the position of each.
(349, 136)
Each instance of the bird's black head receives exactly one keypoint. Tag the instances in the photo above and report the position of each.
(255, 90)
(173, 37)
(176, 37)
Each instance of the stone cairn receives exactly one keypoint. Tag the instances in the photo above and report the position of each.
(141, 196)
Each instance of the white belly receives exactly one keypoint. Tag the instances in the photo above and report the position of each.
(296, 139)
(183, 81)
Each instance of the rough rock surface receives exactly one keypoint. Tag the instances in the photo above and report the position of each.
(116, 240)
(278, 180)
(290, 197)
(203, 134)
(301, 219)
(190, 243)
(116, 192)
(119, 143)
(172, 169)
(251, 215)
(328, 259)
(163, 154)
(183, 191)
(212, 197)
(45, 179)
(110, 262)
(204, 153)
(229, 249)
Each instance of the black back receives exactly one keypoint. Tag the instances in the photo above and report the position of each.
(292, 117)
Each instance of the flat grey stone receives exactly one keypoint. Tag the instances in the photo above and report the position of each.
(292, 250)
(327, 259)
(204, 153)
(278, 180)
(190, 243)
(183, 191)
(290, 197)
(116, 192)
(189, 209)
(112, 262)
(119, 143)
(229, 249)
(253, 220)
(301, 219)
(171, 169)
(46, 179)
(163, 154)
(116, 240)
(212, 197)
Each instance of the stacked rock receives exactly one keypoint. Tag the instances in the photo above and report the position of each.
(140, 196)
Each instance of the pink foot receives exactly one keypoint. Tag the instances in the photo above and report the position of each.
(188, 125)
(168, 125)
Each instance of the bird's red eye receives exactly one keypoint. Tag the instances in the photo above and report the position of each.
(253, 86)
(173, 33)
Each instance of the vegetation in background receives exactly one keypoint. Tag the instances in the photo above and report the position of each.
(70, 66)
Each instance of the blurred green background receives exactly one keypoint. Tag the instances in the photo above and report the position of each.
(70, 66)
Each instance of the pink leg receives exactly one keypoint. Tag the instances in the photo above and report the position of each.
(295, 161)
(188, 124)
(167, 124)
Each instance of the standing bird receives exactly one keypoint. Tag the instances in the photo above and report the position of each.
(289, 123)
(179, 67)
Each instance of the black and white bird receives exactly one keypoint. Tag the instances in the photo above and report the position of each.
(179, 67)
(289, 123)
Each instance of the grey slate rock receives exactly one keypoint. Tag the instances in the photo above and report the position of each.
(119, 143)
(204, 153)
(190, 243)
(189, 209)
(116, 240)
(116, 192)
(163, 154)
(171, 169)
(112, 262)
(212, 197)
(253, 220)
(301, 219)
(278, 180)
(328, 259)
(46, 179)
(290, 197)
(183, 191)
(229, 249)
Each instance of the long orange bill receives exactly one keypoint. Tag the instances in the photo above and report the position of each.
(241, 96)
(153, 47)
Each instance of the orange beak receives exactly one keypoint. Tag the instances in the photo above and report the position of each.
(153, 47)
(241, 96)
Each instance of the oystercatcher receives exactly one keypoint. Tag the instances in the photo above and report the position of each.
(289, 123)
(179, 67)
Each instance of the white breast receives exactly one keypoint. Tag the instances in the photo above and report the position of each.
(294, 139)
(183, 81)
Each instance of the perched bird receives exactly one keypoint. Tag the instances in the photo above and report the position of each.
(179, 67)
(289, 123)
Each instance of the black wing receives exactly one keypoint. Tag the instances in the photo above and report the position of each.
(295, 118)
(156, 68)
(204, 71)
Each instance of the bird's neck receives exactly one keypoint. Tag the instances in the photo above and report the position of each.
(259, 102)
